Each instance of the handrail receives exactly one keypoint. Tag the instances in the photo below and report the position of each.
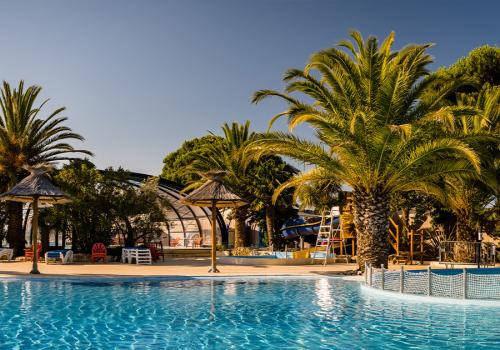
(396, 236)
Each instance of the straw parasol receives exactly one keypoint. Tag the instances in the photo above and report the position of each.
(215, 195)
(36, 188)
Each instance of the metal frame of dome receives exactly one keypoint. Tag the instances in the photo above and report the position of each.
(173, 190)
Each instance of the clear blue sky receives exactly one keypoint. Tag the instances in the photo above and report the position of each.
(140, 77)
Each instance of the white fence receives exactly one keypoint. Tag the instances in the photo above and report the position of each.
(449, 283)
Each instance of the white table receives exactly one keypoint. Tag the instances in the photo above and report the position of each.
(141, 255)
(7, 252)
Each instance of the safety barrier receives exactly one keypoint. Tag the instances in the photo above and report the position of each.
(466, 283)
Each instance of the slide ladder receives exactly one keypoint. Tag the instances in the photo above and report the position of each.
(328, 233)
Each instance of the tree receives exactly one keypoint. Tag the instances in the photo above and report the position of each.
(105, 206)
(469, 197)
(259, 182)
(370, 114)
(226, 156)
(27, 139)
(254, 181)
(175, 163)
(480, 68)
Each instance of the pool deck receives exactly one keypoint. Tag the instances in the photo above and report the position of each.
(189, 267)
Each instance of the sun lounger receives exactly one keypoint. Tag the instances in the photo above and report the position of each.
(6, 253)
(140, 254)
(64, 255)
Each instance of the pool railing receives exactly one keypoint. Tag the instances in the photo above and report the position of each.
(466, 283)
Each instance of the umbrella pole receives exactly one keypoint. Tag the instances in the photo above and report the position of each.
(34, 228)
(214, 238)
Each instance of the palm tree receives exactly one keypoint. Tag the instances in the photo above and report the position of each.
(260, 181)
(468, 197)
(369, 113)
(27, 139)
(254, 181)
(226, 158)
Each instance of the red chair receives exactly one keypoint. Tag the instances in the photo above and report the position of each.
(156, 249)
(99, 251)
(28, 253)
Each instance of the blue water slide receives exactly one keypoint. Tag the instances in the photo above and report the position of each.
(298, 226)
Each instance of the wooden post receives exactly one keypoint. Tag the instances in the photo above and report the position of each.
(411, 247)
(213, 269)
(34, 230)
(397, 240)
(421, 247)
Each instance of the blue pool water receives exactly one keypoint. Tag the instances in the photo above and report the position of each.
(320, 313)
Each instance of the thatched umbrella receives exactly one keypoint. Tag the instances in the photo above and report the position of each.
(36, 188)
(215, 195)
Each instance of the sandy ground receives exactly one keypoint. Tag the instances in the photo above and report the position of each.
(173, 267)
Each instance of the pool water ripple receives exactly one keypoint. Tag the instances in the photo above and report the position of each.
(322, 313)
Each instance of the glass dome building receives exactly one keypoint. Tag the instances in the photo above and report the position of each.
(187, 226)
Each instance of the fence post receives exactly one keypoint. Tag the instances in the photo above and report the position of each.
(371, 275)
(464, 287)
(366, 273)
(429, 280)
(402, 279)
(382, 281)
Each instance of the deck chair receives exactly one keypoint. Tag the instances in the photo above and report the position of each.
(64, 255)
(99, 251)
(156, 249)
(28, 253)
(6, 253)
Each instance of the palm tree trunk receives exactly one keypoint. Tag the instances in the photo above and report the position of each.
(371, 219)
(464, 252)
(239, 227)
(15, 233)
(465, 229)
(270, 225)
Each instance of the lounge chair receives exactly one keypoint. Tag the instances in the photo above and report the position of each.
(156, 249)
(65, 255)
(6, 253)
(141, 255)
(28, 253)
(99, 251)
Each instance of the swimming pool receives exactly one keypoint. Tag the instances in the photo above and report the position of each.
(255, 313)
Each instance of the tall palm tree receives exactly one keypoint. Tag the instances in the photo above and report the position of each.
(367, 111)
(226, 158)
(27, 139)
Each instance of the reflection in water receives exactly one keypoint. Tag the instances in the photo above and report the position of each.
(323, 292)
(26, 297)
(230, 289)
